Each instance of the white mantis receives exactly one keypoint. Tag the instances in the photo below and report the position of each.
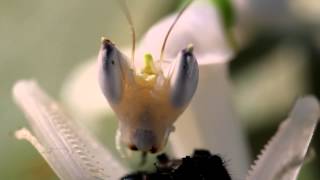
(148, 101)
(73, 154)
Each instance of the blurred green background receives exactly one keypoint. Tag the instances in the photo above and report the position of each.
(278, 61)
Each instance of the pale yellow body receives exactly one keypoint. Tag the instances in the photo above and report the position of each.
(145, 105)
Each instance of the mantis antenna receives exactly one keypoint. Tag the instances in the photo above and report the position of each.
(124, 6)
(171, 28)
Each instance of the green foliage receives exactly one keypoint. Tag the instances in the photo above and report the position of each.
(227, 15)
(226, 12)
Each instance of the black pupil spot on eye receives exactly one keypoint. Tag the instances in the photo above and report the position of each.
(185, 63)
(184, 66)
(109, 53)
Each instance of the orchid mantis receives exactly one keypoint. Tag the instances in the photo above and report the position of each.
(147, 101)
(148, 97)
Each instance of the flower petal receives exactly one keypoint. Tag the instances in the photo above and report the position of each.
(70, 151)
(283, 156)
(210, 122)
(200, 25)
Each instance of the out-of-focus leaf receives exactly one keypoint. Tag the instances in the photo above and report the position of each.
(226, 12)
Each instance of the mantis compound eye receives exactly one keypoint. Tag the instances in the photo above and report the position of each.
(184, 79)
(112, 71)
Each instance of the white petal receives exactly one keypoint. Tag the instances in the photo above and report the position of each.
(210, 122)
(284, 154)
(70, 151)
(199, 25)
